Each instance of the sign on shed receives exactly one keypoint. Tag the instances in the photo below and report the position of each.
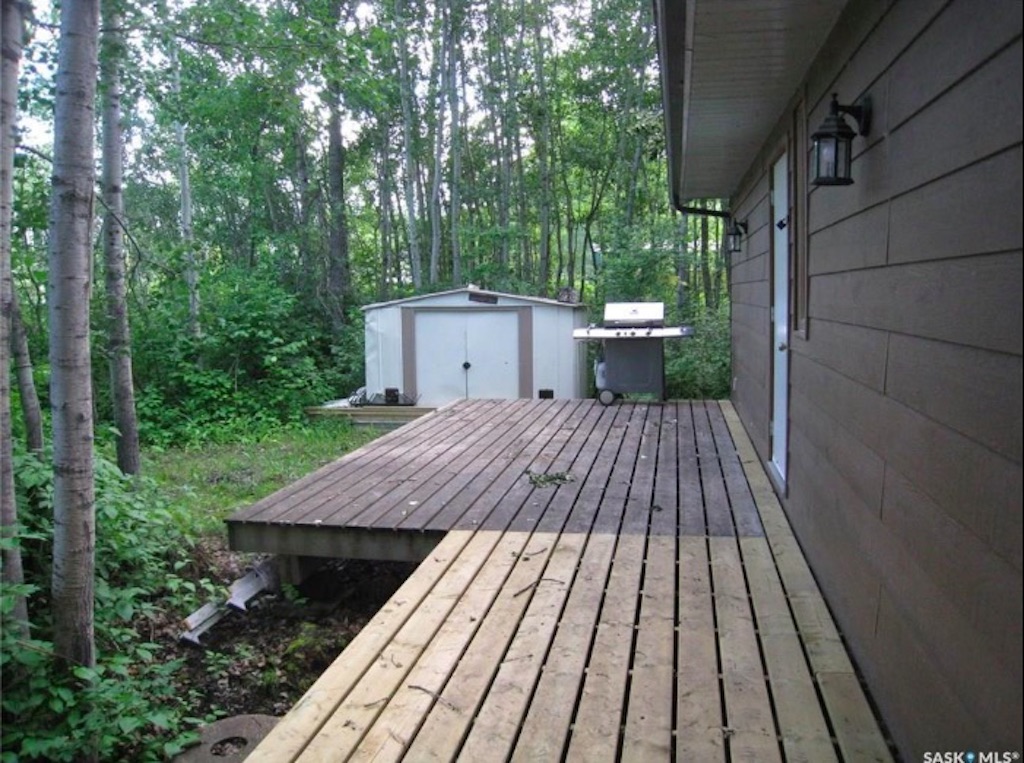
(472, 343)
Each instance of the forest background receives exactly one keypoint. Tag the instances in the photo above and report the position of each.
(287, 162)
(280, 163)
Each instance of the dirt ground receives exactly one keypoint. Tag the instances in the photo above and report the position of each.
(261, 661)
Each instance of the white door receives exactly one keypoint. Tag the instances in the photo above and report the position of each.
(780, 315)
(492, 354)
(466, 354)
(440, 353)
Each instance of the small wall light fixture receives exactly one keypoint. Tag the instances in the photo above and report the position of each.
(831, 155)
(734, 236)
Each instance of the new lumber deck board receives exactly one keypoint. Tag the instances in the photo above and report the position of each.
(501, 716)
(348, 723)
(700, 721)
(597, 724)
(546, 727)
(309, 714)
(805, 733)
(447, 724)
(345, 729)
(649, 711)
(404, 714)
(750, 722)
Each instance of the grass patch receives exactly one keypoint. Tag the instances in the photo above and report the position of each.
(212, 481)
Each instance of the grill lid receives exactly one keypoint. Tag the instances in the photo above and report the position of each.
(634, 314)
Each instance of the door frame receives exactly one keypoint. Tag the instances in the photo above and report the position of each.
(525, 331)
(780, 315)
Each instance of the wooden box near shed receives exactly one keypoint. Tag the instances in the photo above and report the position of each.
(472, 343)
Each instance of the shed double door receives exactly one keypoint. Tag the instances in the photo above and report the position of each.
(466, 354)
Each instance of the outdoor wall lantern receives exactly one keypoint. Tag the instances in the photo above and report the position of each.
(734, 236)
(831, 154)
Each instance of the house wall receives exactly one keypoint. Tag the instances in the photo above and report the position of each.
(904, 482)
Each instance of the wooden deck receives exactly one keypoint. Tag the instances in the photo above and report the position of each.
(383, 416)
(597, 584)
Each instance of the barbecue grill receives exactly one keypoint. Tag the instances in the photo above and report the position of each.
(633, 350)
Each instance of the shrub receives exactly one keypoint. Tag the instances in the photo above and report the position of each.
(701, 366)
(128, 707)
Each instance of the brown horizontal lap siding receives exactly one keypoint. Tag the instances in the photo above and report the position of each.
(905, 426)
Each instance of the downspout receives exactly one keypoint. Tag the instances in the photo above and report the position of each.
(724, 214)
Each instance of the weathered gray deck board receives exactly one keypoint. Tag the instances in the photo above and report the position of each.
(483, 464)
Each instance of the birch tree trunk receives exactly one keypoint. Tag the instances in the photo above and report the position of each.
(680, 242)
(71, 213)
(440, 50)
(454, 24)
(543, 159)
(409, 169)
(185, 183)
(118, 332)
(31, 411)
(338, 275)
(705, 260)
(384, 224)
(337, 243)
(11, 44)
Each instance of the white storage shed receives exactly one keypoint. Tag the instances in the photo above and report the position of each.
(471, 343)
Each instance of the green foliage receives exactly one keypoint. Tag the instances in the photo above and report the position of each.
(128, 706)
(209, 482)
(261, 358)
(700, 366)
(131, 706)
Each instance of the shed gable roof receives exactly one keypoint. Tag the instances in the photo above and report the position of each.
(471, 290)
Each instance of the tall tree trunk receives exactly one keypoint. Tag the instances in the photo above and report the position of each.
(118, 332)
(11, 46)
(497, 107)
(409, 186)
(385, 217)
(543, 158)
(31, 411)
(525, 252)
(337, 243)
(338, 276)
(185, 183)
(455, 182)
(680, 243)
(440, 50)
(74, 521)
(304, 203)
(705, 260)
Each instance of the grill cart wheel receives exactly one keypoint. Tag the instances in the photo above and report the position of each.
(606, 397)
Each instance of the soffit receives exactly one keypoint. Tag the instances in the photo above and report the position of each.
(729, 68)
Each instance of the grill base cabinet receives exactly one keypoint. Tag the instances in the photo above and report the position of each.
(635, 365)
